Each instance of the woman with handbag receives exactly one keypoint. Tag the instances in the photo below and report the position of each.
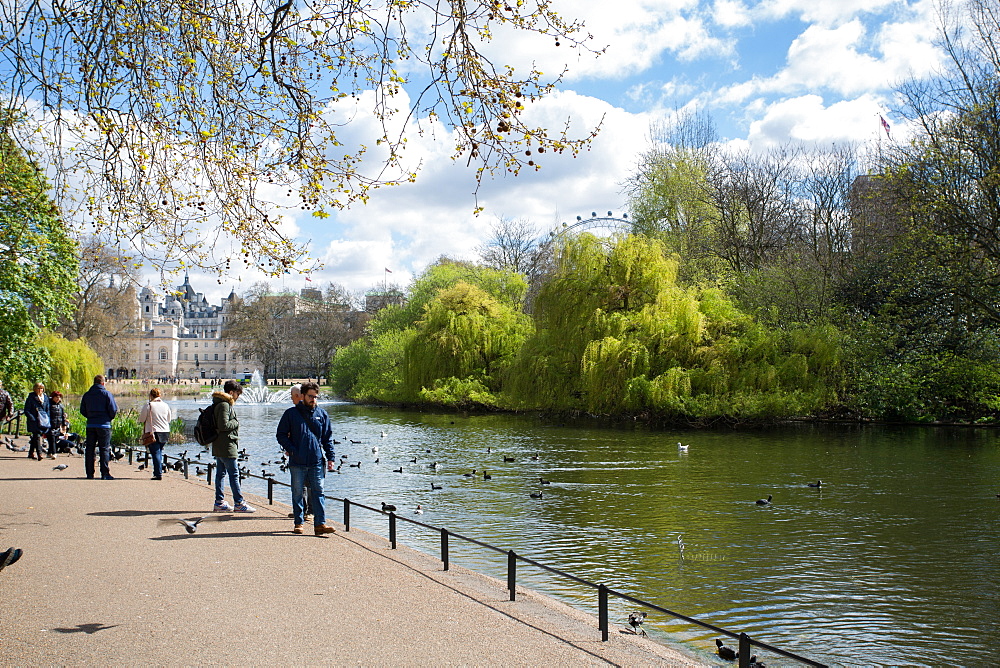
(155, 419)
(36, 412)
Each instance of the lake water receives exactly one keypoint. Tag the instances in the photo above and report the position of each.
(892, 561)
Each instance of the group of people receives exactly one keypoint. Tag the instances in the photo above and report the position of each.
(304, 433)
(48, 423)
(46, 420)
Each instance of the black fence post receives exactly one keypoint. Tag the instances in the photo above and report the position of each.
(128, 449)
(444, 547)
(270, 491)
(208, 476)
(347, 514)
(185, 468)
(602, 611)
(511, 573)
(392, 530)
(744, 656)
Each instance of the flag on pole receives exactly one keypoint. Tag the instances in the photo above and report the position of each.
(885, 125)
(388, 271)
(309, 279)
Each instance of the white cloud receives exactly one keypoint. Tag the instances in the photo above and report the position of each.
(406, 228)
(807, 119)
(637, 33)
(845, 60)
(824, 13)
(731, 14)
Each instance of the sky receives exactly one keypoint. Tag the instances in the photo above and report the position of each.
(768, 73)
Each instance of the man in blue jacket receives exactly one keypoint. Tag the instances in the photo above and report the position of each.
(305, 434)
(99, 407)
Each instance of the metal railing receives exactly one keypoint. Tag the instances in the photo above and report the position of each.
(15, 422)
(746, 643)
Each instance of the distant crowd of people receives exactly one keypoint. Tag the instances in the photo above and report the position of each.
(304, 433)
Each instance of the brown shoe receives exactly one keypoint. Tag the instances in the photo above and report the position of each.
(298, 529)
(322, 529)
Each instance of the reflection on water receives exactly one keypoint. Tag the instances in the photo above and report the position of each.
(892, 561)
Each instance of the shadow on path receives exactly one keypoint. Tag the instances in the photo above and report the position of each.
(85, 628)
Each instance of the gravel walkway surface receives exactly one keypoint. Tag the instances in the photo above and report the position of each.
(104, 582)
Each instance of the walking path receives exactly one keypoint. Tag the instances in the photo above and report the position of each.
(103, 582)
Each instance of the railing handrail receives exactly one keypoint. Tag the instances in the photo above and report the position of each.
(603, 590)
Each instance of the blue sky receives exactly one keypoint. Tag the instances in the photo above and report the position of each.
(768, 73)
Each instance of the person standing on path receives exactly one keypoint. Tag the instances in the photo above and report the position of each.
(155, 419)
(225, 448)
(36, 411)
(304, 432)
(6, 406)
(295, 394)
(58, 423)
(99, 407)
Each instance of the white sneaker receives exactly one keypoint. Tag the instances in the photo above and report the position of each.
(222, 507)
(244, 508)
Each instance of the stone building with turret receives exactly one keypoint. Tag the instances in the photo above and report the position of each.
(179, 335)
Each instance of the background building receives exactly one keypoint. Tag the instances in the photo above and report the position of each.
(179, 336)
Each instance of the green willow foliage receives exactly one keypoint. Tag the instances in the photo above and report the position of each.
(464, 334)
(72, 366)
(615, 334)
(372, 368)
(38, 265)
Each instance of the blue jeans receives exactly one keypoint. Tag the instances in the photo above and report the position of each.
(224, 466)
(313, 477)
(99, 438)
(156, 452)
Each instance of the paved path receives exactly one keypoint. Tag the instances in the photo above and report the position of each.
(102, 582)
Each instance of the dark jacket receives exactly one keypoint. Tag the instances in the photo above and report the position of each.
(37, 413)
(227, 443)
(6, 405)
(57, 415)
(305, 434)
(98, 406)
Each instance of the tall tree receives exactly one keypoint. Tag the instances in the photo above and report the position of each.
(670, 195)
(758, 212)
(180, 122)
(464, 334)
(512, 246)
(105, 301)
(37, 264)
(950, 174)
(326, 324)
(261, 326)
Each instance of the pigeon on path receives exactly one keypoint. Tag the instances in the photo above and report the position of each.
(635, 620)
(191, 525)
(9, 556)
(60, 467)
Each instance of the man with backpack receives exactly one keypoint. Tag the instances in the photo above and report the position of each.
(225, 448)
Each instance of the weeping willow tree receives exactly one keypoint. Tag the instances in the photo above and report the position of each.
(373, 368)
(72, 364)
(462, 345)
(616, 334)
(370, 369)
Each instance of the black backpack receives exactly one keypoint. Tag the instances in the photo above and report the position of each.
(205, 431)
